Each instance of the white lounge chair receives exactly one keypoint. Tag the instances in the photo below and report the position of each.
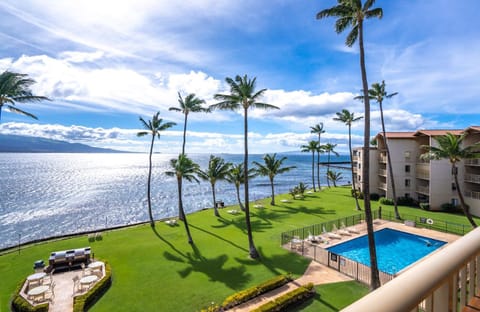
(171, 222)
(233, 212)
(350, 230)
(339, 231)
(330, 234)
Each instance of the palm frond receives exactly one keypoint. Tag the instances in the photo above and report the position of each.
(377, 12)
(19, 111)
(352, 36)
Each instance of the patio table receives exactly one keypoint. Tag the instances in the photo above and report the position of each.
(36, 292)
(36, 278)
(88, 280)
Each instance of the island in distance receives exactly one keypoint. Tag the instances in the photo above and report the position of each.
(26, 144)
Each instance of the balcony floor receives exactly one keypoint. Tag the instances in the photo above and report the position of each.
(473, 305)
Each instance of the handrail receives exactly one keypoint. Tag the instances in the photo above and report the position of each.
(430, 280)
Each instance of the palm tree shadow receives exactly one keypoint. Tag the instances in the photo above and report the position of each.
(167, 242)
(279, 264)
(233, 277)
(318, 211)
(218, 237)
(257, 225)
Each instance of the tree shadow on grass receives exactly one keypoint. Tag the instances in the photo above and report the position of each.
(257, 225)
(233, 277)
(317, 297)
(167, 242)
(279, 263)
(218, 237)
(318, 211)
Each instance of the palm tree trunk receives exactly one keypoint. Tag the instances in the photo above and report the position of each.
(465, 208)
(357, 205)
(273, 192)
(252, 250)
(149, 196)
(318, 170)
(214, 201)
(184, 133)
(313, 170)
(237, 188)
(374, 274)
(182, 212)
(389, 160)
(328, 168)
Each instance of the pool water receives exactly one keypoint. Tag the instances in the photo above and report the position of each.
(395, 249)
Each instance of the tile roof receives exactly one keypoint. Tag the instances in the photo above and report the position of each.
(438, 132)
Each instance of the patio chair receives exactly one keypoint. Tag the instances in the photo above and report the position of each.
(85, 270)
(50, 294)
(330, 234)
(76, 281)
(351, 230)
(339, 231)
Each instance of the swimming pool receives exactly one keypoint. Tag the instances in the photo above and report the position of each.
(395, 249)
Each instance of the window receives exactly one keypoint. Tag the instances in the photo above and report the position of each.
(407, 182)
(407, 195)
(407, 168)
(359, 178)
(454, 186)
(454, 202)
(407, 155)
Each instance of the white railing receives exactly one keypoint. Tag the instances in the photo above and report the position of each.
(472, 194)
(382, 186)
(445, 281)
(382, 159)
(472, 162)
(382, 172)
(423, 189)
(472, 178)
(423, 174)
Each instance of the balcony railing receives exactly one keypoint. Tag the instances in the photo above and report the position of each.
(382, 159)
(475, 178)
(472, 194)
(423, 189)
(382, 186)
(472, 162)
(382, 172)
(444, 281)
(423, 175)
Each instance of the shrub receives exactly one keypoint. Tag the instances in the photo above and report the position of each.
(295, 296)
(386, 201)
(374, 196)
(19, 304)
(83, 302)
(425, 206)
(447, 207)
(407, 201)
(252, 292)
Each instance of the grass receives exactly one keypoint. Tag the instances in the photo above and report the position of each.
(158, 270)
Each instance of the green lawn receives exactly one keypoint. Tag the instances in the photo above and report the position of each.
(158, 270)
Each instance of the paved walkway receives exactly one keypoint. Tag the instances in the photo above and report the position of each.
(316, 273)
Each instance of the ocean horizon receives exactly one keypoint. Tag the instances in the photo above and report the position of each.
(52, 194)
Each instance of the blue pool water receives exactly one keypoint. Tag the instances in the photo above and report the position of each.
(395, 249)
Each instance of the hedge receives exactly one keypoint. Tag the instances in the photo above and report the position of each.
(20, 304)
(255, 291)
(83, 302)
(295, 296)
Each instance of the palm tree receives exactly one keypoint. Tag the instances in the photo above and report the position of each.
(318, 129)
(378, 93)
(243, 95)
(312, 147)
(334, 177)
(183, 168)
(450, 147)
(271, 168)
(329, 148)
(236, 176)
(190, 104)
(351, 13)
(348, 118)
(154, 127)
(15, 87)
(217, 170)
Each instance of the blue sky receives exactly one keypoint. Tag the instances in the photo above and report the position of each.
(105, 63)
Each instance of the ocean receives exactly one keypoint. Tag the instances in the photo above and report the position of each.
(45, 195)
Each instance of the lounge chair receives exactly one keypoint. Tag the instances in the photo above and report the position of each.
(330, 234)
(233, 212)
(171, 222)
(350, 230)
(339, 231)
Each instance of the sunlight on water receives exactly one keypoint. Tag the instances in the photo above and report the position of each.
(52, 194)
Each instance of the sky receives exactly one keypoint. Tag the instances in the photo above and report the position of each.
(106, 63)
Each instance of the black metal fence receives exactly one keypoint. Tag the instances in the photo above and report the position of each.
(299, 240)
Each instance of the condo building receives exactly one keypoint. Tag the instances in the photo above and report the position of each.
(426, 181)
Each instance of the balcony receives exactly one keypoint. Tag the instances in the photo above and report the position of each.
(423, 190)
(424, 175)
(382, 159)
(444, 281)
(382, 172)
(472, 194)
(382, 186)
(472, 162)
(474, 178)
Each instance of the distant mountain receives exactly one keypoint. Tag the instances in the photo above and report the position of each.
(25, 144)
